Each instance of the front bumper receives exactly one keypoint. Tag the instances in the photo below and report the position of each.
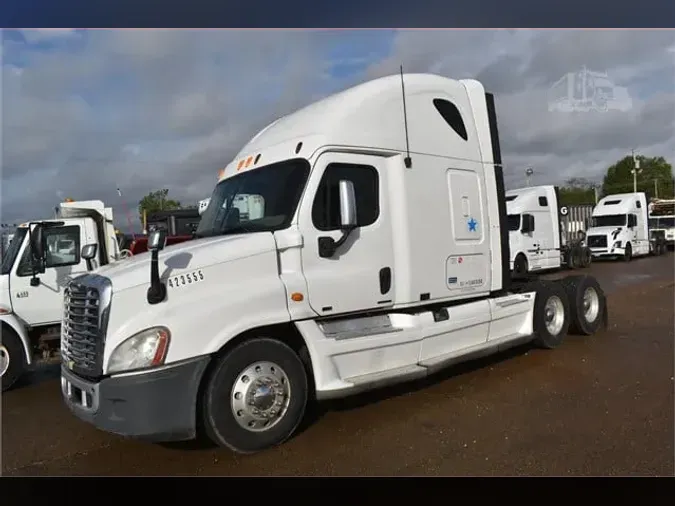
(156, 405)
(607, 252)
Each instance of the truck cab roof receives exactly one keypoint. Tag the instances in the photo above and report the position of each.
(525, 199)
(435, 106)
(620, 203)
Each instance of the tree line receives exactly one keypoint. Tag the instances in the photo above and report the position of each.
(654, 178)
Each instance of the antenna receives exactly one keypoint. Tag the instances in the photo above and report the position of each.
(406, 160)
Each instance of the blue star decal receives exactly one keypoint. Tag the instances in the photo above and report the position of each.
(472, 225)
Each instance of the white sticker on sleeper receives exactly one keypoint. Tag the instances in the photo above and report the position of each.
(188, 278)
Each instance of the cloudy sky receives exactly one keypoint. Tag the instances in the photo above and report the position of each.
(86, 112)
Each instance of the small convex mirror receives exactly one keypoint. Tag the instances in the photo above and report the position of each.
(89, 251)
(157, 240)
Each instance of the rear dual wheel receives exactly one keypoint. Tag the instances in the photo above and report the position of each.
(587, 302)
(551, 314)
(579, 257)
(576, 304)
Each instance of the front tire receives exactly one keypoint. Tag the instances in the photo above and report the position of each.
(551, 317)
(12, 358)
(255, 397)
(520, 266)
(628, 253)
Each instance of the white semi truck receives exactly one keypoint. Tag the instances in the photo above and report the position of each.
(662, 218)
(537, 240)
(381, 255)
(31, 289)
(620, 228)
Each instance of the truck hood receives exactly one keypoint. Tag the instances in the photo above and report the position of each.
(603, 230)
(187, 257)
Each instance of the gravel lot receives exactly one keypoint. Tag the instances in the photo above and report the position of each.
(595, 406)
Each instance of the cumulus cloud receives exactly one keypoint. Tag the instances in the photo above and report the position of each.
(522, 66)
(35, 35)
(86, 112)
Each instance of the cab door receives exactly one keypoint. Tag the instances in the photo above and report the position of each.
(43, 304)
(359, 276)
(531, 242)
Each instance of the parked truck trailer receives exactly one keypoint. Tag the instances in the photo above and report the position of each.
(380, 254)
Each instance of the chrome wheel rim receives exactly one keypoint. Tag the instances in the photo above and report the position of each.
(260, 396)
(4, 360)
(591, 304)
(554, 313)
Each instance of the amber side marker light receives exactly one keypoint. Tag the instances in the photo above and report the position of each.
(297, 297)
(162, 348)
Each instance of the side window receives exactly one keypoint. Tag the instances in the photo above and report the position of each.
(638, 204)
(452, 116)
(326, 207)
(543, 201)
(62, 248)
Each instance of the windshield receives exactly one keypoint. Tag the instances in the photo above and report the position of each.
(514, 222)
(666, 222)
(258, 200)
(611, 220)
(13, 249)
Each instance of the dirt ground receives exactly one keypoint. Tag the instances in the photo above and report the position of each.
(595, 406)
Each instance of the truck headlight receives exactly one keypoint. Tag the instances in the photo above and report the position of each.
(145, 349)
(617, 244)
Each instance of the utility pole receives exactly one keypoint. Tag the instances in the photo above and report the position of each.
(636, 169)
(528, 174)
(656, 188)
(595, 193)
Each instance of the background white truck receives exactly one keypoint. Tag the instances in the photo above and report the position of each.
(31, 292)
(538, 237)
(250, 207)
(662, 218)
(620, 228)
(382, 255)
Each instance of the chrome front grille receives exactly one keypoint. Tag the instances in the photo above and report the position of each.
(85, 307)
(596, 241)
